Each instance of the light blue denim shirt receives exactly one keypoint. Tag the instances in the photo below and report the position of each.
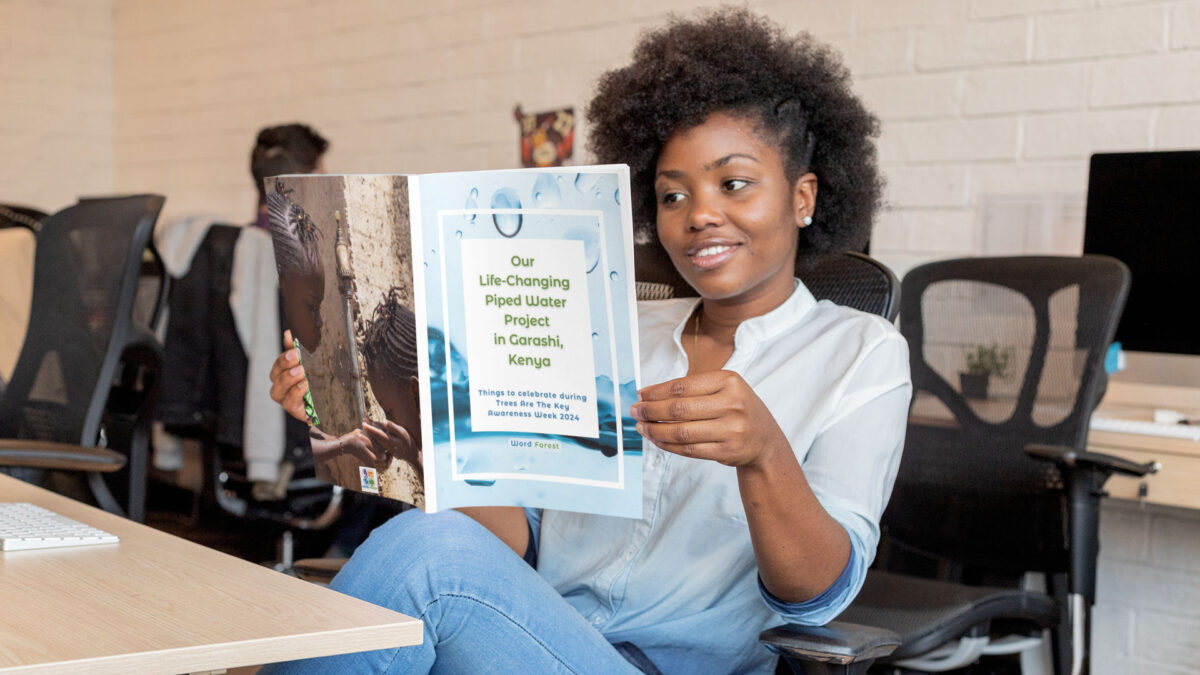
(681, 583)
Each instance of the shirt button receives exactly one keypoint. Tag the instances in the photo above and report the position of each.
(628, 556)
(598, 621)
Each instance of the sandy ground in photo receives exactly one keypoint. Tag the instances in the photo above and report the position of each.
(377, 219)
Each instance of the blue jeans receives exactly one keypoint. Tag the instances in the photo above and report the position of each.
(483, 608)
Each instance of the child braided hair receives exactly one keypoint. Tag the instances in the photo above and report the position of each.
(294, 234)
(390, 343)
(795, 89)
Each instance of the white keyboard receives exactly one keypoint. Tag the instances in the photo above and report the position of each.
(1189, 432)
(25, 526)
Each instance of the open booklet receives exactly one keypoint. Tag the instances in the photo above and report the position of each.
(469, 339)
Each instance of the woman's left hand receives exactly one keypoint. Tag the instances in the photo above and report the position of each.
(713, 415)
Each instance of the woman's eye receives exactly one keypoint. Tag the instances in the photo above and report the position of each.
(735, 184)
(672, 197)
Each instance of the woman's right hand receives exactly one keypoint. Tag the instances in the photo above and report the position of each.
(288, 384)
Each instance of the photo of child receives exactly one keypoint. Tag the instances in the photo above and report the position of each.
(301, 272)
(390, 352)
(355, 337)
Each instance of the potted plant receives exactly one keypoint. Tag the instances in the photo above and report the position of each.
(983, 362)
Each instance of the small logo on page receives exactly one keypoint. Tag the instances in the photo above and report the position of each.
(369, 479)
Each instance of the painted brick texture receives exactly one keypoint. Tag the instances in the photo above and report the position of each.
(59, 106)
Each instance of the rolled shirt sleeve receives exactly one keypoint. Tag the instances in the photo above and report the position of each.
(851, 466)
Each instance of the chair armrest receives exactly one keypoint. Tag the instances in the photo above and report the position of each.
(45, 455)
(836, 642)
(1069, 458)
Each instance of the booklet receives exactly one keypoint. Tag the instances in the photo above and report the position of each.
(469, 339)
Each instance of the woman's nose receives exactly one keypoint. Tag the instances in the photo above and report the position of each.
(704, 213)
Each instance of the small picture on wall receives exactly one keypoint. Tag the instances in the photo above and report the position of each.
(547, 138)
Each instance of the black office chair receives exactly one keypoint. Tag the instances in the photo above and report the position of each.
(206, 401)
(81, 340)
(307, 505)
(992, 485)
(846, 278)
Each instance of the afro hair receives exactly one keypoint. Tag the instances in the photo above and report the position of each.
(794, 89)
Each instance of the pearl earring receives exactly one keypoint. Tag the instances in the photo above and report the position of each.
(808, 220)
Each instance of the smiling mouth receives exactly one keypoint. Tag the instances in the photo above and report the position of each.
(712, 256)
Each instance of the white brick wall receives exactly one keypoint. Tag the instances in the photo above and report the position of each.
(995, 92)
(1099, 33)
(1077, 134)
(973, 44)
(983, 102)
(57, 104)
(1147, 615)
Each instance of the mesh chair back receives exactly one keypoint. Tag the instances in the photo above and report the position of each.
(853, 280)
(848, 278)
(965, 489)
(85, 278)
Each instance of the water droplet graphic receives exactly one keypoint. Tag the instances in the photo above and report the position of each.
(614, 276)
(458, 234)
(588, 183)
(617, 195)
(472, 203)
(507, 224)
(546, 194)
(595, 335)
(591, 245)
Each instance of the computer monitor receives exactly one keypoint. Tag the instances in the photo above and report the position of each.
(1144, 209)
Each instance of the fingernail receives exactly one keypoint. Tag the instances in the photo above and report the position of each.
(293, 354)
(304, 386)
(636, 412)
(296, 371)
(641, 431)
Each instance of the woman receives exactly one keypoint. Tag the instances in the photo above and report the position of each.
(774, 423)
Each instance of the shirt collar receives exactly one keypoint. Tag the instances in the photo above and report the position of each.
(766, 326)
(763, 327)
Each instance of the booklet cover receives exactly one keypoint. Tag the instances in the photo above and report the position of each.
(469, 339)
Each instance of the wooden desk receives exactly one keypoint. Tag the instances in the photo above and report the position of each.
(1177, 483)
(155, 603)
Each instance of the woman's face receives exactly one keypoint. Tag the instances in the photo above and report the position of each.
(727, 214)
(302, 298)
